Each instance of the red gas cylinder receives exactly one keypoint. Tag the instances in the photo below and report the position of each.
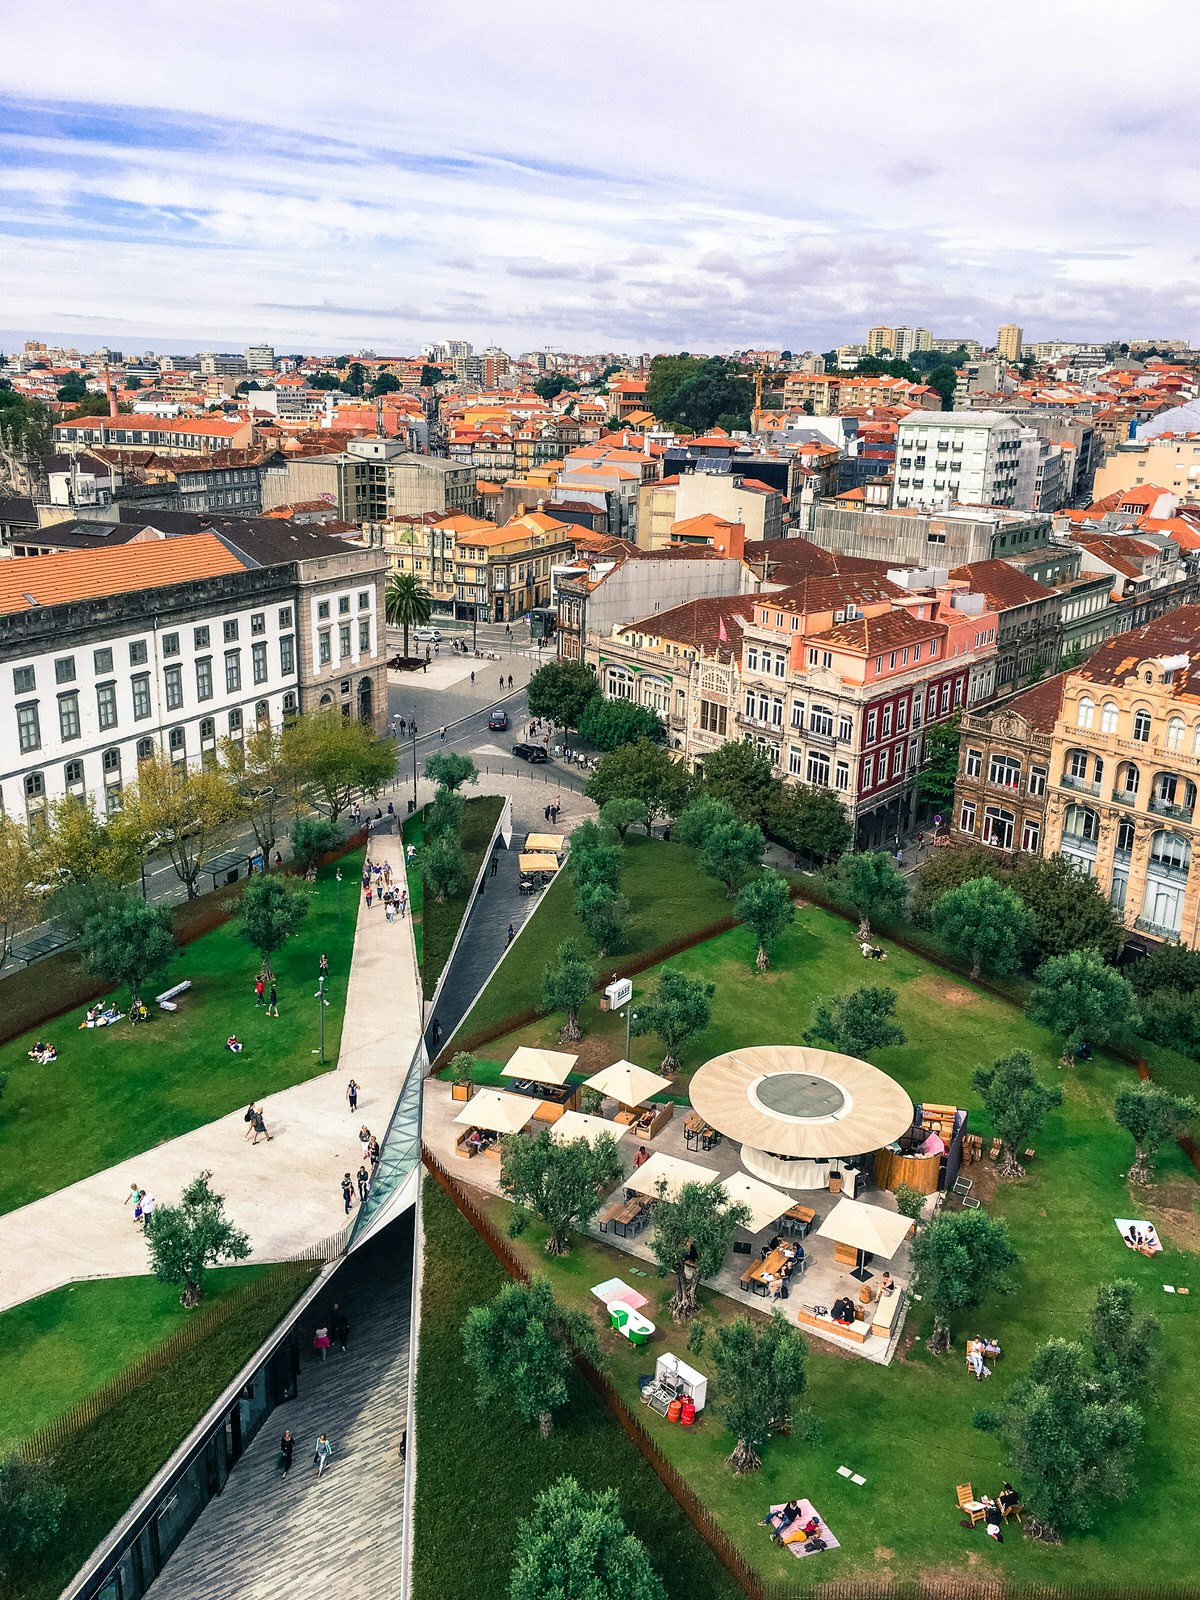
(687, 1411)
(673, 1410)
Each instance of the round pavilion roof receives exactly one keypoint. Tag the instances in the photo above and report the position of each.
(793, 1101)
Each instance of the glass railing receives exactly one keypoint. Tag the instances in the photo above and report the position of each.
(399, 1149)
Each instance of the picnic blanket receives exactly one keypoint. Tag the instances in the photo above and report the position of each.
(800, 1546)
(1147, 1230)
(613, 1289)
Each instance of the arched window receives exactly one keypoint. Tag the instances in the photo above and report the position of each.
(1108, 717)
(1005, 772)
(1170, 852)
(261, 711)
(619, 684)
(1175, 734)
(1128, 779)
(1126, 833)
(1141, 726)
(999, 827)
(145, 749)
(1081, 823)
(1087, 712)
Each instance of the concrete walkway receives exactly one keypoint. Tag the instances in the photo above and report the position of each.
(286, 1194)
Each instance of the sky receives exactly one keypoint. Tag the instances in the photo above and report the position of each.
(675, 174)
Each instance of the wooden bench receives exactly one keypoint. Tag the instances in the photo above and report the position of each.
(657, 1118)
(166, 1000)
(462, 1147)
(856, 1333)
(885, 1313)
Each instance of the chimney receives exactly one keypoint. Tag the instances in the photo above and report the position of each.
(522, 508)
(110, 392)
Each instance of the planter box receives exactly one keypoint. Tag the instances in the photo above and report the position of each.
(462, 1091)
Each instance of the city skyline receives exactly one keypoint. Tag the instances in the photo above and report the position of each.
(674, 197)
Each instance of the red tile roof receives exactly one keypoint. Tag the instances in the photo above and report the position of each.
(699, 622)
(1040, 704)
(868, 635)
(1002, 586)
(1175, 634)
(33, 581)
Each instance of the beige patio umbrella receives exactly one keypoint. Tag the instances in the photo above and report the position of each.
(870, 1230)
(630, 1084)
(766, 1205)
(539, 1066)
(498, 1112)
(537, 863)
(671, 1171)
(578, 1125)
(549, 842)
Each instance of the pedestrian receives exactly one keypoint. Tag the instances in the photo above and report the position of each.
(435, 1032)
(512, 933)
(501, 683)
(322, 1453)
(442, 736)
(364, 1141)
(321, 1342)
(135, 1194)
(510, 680)
(495, 866)
(546, 813)
(248, 1119)
(341, 1327)
(260, 991)
(403, 1445)
(402, 726)
(367, 896)
(364, 1180)
(472, 678)
(273, 1002)
(352, 1094)
(260, 1126)
(323, 966)
(347, 1193)
(148, 1204)
(387, 873)
(286, 1445)
(373, 1153)
(480, 889)
(138, 1202)
(403, 902)
(899, 857)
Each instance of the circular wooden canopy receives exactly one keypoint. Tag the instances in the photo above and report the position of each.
(793, 1101)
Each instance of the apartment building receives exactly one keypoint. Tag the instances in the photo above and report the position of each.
(1170, 461)
(1004, 762)
(517, 563)
(1009, 341)
(1028, 623)
(899, 342)
(905, 536)
(1125, 766)
(730, 496)
(375, 480)
(176, 435)
(621, 584)
(963, 457)
(165, 646)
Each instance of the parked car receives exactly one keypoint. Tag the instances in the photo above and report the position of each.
(429, 635)
(529, 752)
(498, 721)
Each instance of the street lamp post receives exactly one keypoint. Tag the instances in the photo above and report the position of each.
(339, 884)
(630, 1014)
(412, 723)
(321, 1004)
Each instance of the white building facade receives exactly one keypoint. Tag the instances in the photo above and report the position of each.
(964, 457)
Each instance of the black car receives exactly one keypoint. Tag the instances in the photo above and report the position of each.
(529, 752)
(498, 720)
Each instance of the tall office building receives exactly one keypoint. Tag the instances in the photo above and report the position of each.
(1008, 342)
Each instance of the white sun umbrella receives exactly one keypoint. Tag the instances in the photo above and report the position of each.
(498, 1112)
(628, 1083)
(578, 1125)
(864, 1227)
(671, 1171)
(539, 1066)
(766, 1205)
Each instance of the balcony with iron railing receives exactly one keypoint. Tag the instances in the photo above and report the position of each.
(1081, 842)
(1146, 925)
(1163, 867)
(1080, 785)
(1125, 797)
(1164, 808)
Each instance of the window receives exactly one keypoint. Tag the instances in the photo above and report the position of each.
(29, 731)
(343, 641)
(845, 729)
(262, 712)
(883, 766)
(713, 717)
(998, 827)
(258, 661)
(324, 648)
(23, 680)
(138, 653)
(795, 761)
(145, 749)
(35, 785)
(841, 776)
(966, 817)
(233, 671)
(170, 644)
(111, 762)
(173, 683)
(323, 611)
(102, 660)
(235, 720)
(258, 622)
(106, 704)
(797, 713)
(817, 770)
(73, 774)
(230, 630)
(1005, 771)
(201, 638)
(344, 600)
(1085, 715)
(204, 679)
(974, 763)
(871, 725)
(1037, 781)
(752, 658)
(68, 715)
(287, 654)
(64, 670)
(364, 599)
(820, 721)
(868, 772)
(1141, 726)
(1031, 835)
(176, 741)
(886, 728)
(208, 729)
(289, 703)
(1175, 734)
(902, 716)
(364, 635)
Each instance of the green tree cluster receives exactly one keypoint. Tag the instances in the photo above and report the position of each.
(693, 1234)
(641, 771)
(810, 820)
(518, 1347)
(1017, 1104)
(694, 392)
(727, 848)
(858, 1023)
(561, 691)
(1150, 1116)
(1081, 999)
(677, 1010)
(406, 604)
(609, 724)
(574, 1545)
(561, 1185)
(764, 904)
(761, 1368)
(867, 881)
(566, 984)
(185, 1240)
(958, 1258)
(986, 921)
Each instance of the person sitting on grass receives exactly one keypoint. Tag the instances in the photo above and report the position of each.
(777, 1521)
(234, 1043)
(801, 1533)
(43, 1053)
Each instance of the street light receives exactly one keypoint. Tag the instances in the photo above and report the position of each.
(412, 723)
(630, 1014)
(339, 884)
(321, 1004)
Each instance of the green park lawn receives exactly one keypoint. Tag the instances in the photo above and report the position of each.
(479, 1471)
(119, 1090)
(907, 1428)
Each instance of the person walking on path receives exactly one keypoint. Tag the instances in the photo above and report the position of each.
(135, 1194)
(510, 680)
(367, 896)
(364, 1140)
(248, 1119)
(341, 1327)
(322, 1453)
(512, 933)
(260, 1126)
(472, 679)
(352, 1094)
(495, 866)
(435, 1032)
(373, 1153)
(347, 1193)
(364, 1181)
(403, 1445)
(286, 1446)
(148, 1204)
(260, 991)
(273, 1002)
(442, 736)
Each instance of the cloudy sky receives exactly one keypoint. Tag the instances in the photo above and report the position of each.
(661, 175)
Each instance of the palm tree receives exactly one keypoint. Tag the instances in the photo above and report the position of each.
(406, 605)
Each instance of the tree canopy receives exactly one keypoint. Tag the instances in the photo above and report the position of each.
(335, 758)
(1150, 1115)
(985, 921)
(186, 1239)
(608, 724)
(727, 848)
(694, 391)
(1124, 1343)
(741, 776)
(765, 906)
(641, 771)
(260, 769)
(868, 882)
(693, 1234)
(560, 691)
(443, 864)
(574, 1545)
(20, 893)
(1081, 999)
(406, 604)
(312, 837)
(518, 1348)
(761, 1368)
(271, 911)
(957, 1258)
(188, 811)
(1069, 909)
(127, 942)
(1016, 1103)
(561, 1184)
(451, 771)
(811, 821)
(566, 984)
(677, 1009)
(554, 384)
(31, 1514)
(939, 769)
(623, 814)
(857, 1024)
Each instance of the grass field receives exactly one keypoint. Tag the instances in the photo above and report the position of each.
(109, 1462)
(668, 897)
(907, 1428)
(115, 1091)
(479, 1471)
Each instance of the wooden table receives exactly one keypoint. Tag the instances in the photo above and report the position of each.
(622, 1215)
(798, 1219)
(697, 1132)
(752, 1280)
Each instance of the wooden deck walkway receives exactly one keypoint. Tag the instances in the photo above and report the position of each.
(267, 1535)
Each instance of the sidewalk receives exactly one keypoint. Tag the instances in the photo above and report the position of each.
(286, 1194)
